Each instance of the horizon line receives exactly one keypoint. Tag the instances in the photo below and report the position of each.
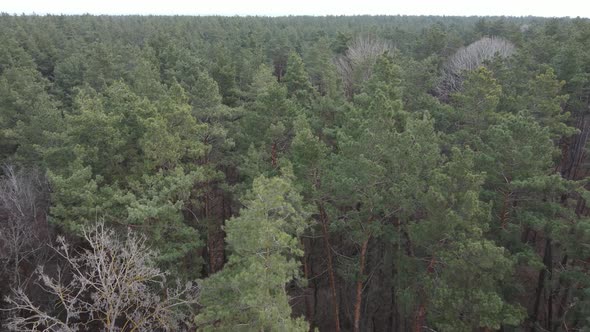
(284, 15)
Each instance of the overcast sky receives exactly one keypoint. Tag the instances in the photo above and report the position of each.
(546, 8)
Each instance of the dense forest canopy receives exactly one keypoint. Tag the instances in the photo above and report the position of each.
(363, 173)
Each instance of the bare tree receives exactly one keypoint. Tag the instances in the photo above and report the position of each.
(469, 58)
(113, 285)
(356, 65)
(23, 223)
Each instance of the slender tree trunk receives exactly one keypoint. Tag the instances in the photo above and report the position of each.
(541, 284)
(215, 235)
(564, 300)
(392, 313)
(359, 286)
(215, 244)
(274, 154)
(307, 293)
(524, 237)
(549, 322)
(331, 277)
(581, 207)
(420, 317)
(421, 312)
(505, 212)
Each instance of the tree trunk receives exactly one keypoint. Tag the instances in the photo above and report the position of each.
(564, 300)
(274, 154)
(359, 286)
(308, 306)
(549, 322)
(331, 277)
(420, 317)
(541, 284)
(215, 234)
(421, 312)
(215, 245)
(505, 211)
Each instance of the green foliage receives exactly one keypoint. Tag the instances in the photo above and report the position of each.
(466, 272)
(545, 104)
(128, 161)
(249, 293)
(27, 112)
(465, 297)
(297, 80)
(266, 128)
(476, 104)
(309, 157)
(459, 213)
(321, 69)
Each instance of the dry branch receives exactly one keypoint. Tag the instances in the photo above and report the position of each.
(113, 285)
(470, 58)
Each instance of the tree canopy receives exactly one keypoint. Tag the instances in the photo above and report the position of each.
(364, 173)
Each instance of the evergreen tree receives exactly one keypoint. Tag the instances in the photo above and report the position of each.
(249, 293)
(297, 80)
(322, 71)
(128, 161)
(264, 147)
(458, 291)
(27, 112)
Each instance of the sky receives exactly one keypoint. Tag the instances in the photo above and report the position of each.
(545, 8)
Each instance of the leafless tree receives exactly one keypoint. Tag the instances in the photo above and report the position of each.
(23, 222)
(113, 285)
(469, 58)
(356, 65)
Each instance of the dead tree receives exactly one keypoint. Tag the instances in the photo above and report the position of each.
(113, 285)
(24, 198)
(356, 65)
(470, 58)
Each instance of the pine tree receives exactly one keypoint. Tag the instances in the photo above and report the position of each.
(297, 80)
(125, 160)
(310, 157)
(385, 158)
(27, 112)
(321, 68)
(461, 277)
(249, 293)
(263, 148)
